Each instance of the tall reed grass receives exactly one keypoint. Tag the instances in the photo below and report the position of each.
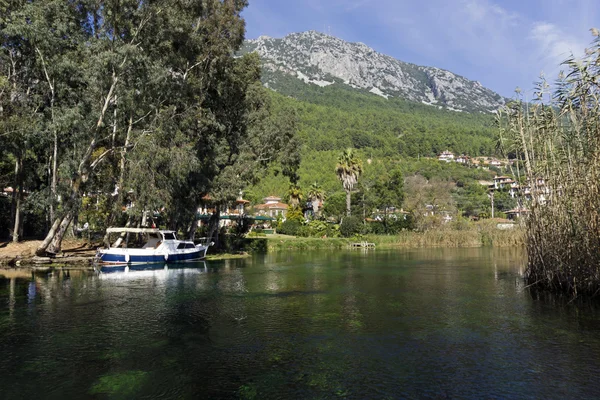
(557, 137)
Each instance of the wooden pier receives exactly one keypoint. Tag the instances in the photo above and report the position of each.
(362, 245)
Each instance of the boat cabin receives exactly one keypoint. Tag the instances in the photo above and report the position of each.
(153, 237)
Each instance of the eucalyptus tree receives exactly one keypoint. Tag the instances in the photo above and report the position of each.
(143, 99)
(21, 104)
(348, 169)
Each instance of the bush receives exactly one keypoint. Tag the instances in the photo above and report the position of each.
(289, 228)
(351, 226)
(391, 226)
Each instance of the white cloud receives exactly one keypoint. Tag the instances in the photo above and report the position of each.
(553, 46)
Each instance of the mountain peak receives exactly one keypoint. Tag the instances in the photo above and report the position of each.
(321, 59)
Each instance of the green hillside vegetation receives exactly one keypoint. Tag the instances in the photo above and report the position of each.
(336, 117)
(387, 134)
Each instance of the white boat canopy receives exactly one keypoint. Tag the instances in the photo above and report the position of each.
(132, 230)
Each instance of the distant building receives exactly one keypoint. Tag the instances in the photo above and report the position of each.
(272, 207)
(463, 159)
(500, 182)
(446, 156)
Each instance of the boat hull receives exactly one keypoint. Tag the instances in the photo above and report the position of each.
(119, 257)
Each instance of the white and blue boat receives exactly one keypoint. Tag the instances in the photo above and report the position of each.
(160, 247)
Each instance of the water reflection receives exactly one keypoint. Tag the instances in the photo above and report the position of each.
(383, 324)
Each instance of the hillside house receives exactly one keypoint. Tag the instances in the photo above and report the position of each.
(446, 156)
(272, 207)
(501, 182)
(463, 159)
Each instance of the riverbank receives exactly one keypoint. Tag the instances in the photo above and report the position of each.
(76, 254)
(473, 235)
(80, 253)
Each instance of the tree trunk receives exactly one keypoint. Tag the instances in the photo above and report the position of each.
(118, 242)
(193, 227)
(213, 230)
(56, 242)
(348, 202)
(116, 211)
(18, 190)
(41, 250)
(53, 196)
(13, 202)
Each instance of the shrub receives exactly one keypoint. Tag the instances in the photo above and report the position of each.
(351, 226)
(289, 227)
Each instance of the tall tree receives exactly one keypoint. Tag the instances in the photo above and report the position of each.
(389, 190)
(295, 195)
(316, 194)
(348, 170)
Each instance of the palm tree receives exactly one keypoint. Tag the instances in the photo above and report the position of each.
(316, 196)
(295, 195)
(348, 169)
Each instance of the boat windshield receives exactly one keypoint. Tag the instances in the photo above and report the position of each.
(169, 236)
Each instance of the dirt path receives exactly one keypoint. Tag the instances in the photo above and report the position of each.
(72, 248)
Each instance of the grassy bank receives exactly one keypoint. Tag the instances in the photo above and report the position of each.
(475, 235)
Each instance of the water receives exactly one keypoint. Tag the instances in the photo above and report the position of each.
(374, 325)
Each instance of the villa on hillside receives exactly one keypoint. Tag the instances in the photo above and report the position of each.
(272, 207)
(500, 182)
(463, 159)
(446, 156)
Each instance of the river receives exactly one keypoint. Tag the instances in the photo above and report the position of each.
(434, 323)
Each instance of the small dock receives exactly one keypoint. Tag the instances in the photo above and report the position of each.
(362, 245)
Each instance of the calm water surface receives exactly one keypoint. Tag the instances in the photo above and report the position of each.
(375, 325)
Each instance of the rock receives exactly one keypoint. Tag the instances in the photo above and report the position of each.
(320, 59)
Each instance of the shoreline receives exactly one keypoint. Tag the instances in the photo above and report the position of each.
(79, 254)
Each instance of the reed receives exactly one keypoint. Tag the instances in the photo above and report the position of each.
(479, 234)
(558, 139)
(476, 235)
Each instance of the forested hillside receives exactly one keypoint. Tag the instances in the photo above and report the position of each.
(387, 133)
(336, 117)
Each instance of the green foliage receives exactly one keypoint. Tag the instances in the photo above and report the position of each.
(289, 227)
(319, 228)
(337, 117)
(335, 206)
(351, 226)
(391, 225)
(503, 201)
(295, 214)
(142, 96)
(95, 211)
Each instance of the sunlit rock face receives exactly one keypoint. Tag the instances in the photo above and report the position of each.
(320, 59)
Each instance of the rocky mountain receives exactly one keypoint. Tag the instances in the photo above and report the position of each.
(319, 59)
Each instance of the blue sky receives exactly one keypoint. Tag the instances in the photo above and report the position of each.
(502, 44)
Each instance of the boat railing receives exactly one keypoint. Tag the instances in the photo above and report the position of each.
(204, 241)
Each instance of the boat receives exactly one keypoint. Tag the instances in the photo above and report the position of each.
(160, 246)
